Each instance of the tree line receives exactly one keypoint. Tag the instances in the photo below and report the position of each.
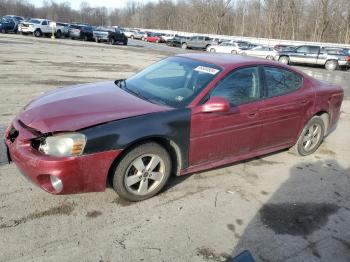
(305, 20)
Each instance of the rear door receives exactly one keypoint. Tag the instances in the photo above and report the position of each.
(287, 100)
(215, 136)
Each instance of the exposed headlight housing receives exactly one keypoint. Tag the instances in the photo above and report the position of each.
(63, 145)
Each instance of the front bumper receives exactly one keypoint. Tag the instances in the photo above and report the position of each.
(86, 173)
(27, 29)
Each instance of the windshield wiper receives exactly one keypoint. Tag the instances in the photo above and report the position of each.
(122, 84)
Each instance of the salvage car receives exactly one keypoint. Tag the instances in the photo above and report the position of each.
(181, 115)
(10, 23)
(81, 32)
(260, 51)
(229, 47)
(331, 58)
(39, 27)
(111, 35)
(153, 37)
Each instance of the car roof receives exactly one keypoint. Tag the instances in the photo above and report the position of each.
(228, 60)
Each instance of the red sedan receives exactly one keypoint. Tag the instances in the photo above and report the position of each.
(181, 115)
(154, 38)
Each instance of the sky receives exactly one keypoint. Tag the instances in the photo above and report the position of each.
(94, 3)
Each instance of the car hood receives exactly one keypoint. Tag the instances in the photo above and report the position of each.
(77, 107)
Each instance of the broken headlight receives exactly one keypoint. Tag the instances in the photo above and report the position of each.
(63, 145)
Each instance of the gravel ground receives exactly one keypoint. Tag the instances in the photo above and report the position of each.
(281, 207)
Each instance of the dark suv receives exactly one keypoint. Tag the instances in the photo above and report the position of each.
(81, 32)
(10, 23)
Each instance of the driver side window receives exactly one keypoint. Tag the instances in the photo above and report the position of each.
(240, 87)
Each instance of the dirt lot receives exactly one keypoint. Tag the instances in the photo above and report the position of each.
(281, 207)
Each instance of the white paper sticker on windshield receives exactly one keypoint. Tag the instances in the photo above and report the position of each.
(207, 70)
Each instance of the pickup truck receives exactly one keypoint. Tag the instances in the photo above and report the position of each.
(331, 58)
(197, 42)
(39, 27)
(111, 35)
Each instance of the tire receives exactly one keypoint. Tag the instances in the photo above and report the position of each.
(311, 136)
(212, 50)
(59, 34)
(234, 52)
(97, 40)
(284, 60)
(37, 33)
(184, 46)
(142, 186)
(111, 41)
(244, 54)
(132, 37)
(86, 38)
(3, 31)
(157, 41)
(269, 57)
(331, 65)
(125, 43)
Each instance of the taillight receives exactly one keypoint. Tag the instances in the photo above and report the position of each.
(348, 58)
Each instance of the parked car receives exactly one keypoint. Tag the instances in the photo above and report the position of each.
(282, 47)
(197, 42)
(329, 57)
(140, 35)
(229, 47)
(81, 32)
(39, 27)
(177, 41)
(153, 37)
(167, 37)
(64, 28)
(8, 25)
(130, 33)
(112, 35)
(261, 51)
(202, 111)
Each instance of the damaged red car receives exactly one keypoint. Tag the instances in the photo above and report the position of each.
(181, 115)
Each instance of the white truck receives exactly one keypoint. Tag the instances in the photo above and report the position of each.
(40, 27)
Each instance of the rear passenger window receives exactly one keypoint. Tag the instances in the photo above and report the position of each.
(240, 87)
(280, 81)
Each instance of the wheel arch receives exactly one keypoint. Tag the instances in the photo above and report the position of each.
(168, 144)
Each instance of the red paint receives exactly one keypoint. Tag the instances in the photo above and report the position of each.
(86, 173)
(73, 108)
(153, 39)
(219, 134)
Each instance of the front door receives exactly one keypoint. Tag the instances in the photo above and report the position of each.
(215, 136)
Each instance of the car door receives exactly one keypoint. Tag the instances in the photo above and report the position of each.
(215, 136)
(45, 27)
(286, 102)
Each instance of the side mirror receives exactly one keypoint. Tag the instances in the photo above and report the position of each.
(214, 105)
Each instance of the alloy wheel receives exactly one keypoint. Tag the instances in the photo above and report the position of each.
(144, 174)
(311, 137)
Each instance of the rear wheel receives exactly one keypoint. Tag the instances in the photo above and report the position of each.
(58, 34)
(331, 65)
(212, 50)
(111, 41)
(311, 137)
(234, 52)
(142, 172)
(184, 46)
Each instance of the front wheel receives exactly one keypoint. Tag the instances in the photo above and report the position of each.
(311, 137)
(58, 34)
(142, 172)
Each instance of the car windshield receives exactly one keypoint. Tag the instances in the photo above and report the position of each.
(174, 82)
(34, 21)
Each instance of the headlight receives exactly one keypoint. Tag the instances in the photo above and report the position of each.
(63, 145)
